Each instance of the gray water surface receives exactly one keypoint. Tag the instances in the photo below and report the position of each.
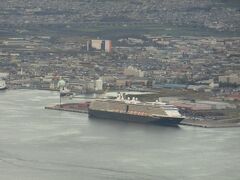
(39, 144)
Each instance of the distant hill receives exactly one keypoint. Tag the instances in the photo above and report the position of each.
(102, 17)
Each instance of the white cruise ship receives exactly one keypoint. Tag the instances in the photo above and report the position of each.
(134, 110)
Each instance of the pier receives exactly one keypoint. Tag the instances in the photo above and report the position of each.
(71, 107)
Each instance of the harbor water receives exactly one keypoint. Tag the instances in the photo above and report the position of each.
(40, 144)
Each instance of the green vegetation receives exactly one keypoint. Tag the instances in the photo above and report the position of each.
(115, 30)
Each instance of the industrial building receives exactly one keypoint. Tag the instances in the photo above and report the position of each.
(99, 45)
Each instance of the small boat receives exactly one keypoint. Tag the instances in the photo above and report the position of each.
(3, 85)
(65, 92)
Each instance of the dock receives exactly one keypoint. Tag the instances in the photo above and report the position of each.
(83, 108)
(71, 107)
(224, 123)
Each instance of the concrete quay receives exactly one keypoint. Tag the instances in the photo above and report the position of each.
(212, 123)
(71, 107)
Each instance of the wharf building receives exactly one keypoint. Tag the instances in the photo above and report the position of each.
(230, 79)
(99, 45)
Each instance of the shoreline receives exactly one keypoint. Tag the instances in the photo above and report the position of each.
(222, 123)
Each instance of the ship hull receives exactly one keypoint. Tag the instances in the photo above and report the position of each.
(170, 121)
(3, 88)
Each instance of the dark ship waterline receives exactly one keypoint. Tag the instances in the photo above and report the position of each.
(135, 111)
